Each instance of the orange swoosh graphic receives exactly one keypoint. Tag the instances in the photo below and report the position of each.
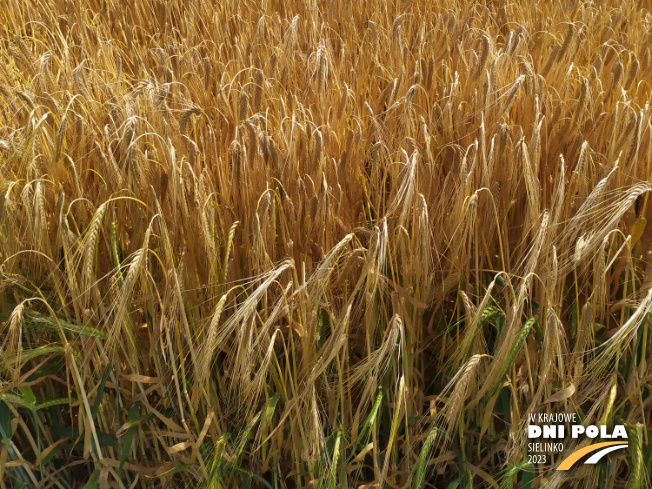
(578, 454)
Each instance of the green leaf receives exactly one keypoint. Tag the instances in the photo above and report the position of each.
(28, 396)
(177, 468)
(538, 333)
(100, 390)
(54, 367)
(504, 404)
(73, 434)
(455, 484)
(92, 482)
(5, 421)
(246, 482)
(271, 405)
(528, 476)
(52, 453)
(128, 438)
(262, 481)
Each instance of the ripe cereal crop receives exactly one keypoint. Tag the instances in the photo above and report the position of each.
(322, 243)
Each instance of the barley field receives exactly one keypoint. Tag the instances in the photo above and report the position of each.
(322, 243)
